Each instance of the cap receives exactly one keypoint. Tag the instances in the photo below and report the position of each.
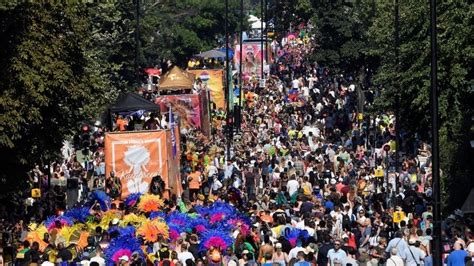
(308, 249)
(124, 258)
(278, 245)
(245, 252)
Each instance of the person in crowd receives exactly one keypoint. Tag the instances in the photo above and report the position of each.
(337, 256)
(394, 259)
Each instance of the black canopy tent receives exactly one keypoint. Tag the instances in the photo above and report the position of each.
(129, 102)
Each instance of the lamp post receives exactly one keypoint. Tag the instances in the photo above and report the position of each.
(137, 40)
(397, 95)
(261, 37)
(241, 84)
(227, 80)
(437, 256)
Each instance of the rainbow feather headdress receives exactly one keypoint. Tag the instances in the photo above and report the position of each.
(152, 230)
(122, 246)
(102, 198)
(198, 224)
(241, 223)
(220, 211)
(127, 231)
(293, 235)
(52, 222)
(78, 214)
(216, 239)
(132, 199)
(150, 203)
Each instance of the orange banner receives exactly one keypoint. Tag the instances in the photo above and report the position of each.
(214, 80)
(136, 157)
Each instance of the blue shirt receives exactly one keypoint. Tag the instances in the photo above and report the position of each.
(457, 258)
(302, 263)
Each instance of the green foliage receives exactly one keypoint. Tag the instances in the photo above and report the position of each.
(340, 29)
(287, 14)
(177, 31)
(455, 62)
(47, 80)
(61, 64)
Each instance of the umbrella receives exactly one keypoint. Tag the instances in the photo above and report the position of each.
(231, 53)
(291, 36)
(212, 54)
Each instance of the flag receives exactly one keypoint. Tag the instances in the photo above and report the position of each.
(173, 136)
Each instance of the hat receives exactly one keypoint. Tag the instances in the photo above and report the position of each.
(115, 221)
(278, 245)
(245, 252)
(124, 258)
(308, 250)
(333, 181)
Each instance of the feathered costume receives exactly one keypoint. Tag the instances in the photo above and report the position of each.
(150, 203)
(152, 230)
(132, 199)
(102, 198)
(122, 246)
(293, 235)
(214, 226)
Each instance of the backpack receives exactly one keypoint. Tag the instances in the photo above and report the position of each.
(346, 221)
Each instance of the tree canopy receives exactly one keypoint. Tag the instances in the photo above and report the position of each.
(61, 64)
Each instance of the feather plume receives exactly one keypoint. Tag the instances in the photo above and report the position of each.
(241, 223)
(132, 219)
(102, 198)
(199, 224)
(122, 246)
(107, 218)
(132, 199)
(150, 203)
(293, 235)
(215, 238)
(51, 222)
(157, 215)
(178, 219)
(127, 231)
(152, 230)
(221, 211)
(78, 214)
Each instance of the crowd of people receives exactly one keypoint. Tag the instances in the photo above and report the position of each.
(302, 178)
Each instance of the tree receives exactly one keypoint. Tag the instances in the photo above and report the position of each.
(413, 75)
(340, 29)
(47, 82)
(178, 30)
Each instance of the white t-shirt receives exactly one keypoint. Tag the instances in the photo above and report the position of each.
(294, 252)
(292, 186)
(184, 256)
(212, 170)
(305, 91)
(295, 84)
(99, 260)
(470, 249)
